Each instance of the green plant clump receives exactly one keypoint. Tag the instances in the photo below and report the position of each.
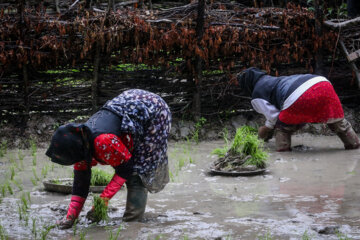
(245, 143)
(100, 209)
(99, 177)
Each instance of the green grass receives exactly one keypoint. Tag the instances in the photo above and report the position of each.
(100, 177)
(245, 143)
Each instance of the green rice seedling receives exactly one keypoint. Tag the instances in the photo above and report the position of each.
(74, 227)
(82, 235)
(198, 125)
(35, 174)
(100, 209)
(18, 185)
(44, 170)
(34, 229)
(100, 177)
(34, 181)
(181, 163)
(9, 188)
(3, 235)
(33, 146)
(116, 236)
(158, 237)
(21, 157)
(23, 207)
(20, 212)
(3, 190)
(191, 160)
(34, 159)
(342, 236)
(171, 175)
(221, 152)
(13, 162)
(3, 148)
(24, 201)
(305, 236)
(26, 220)
(12, 172)
(56, 181)
(45, 231)
(267, 236)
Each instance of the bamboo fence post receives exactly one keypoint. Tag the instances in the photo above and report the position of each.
(198, 61)
(95, 80)
(25, 75)
(319, 18)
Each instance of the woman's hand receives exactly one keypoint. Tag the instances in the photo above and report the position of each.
(91, 215)
(265, 133)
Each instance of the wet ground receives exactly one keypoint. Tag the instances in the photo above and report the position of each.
(310, 193)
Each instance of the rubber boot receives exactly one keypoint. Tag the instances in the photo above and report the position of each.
(346, 133)
(136, 199)
(282, 140)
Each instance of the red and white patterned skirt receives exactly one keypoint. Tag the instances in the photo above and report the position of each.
(318, 104)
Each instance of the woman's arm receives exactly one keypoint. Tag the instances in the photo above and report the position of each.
(81, 183)
(265, 108)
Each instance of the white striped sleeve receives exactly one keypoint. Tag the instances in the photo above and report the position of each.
(270, 112)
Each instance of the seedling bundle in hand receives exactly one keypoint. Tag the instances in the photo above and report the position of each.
(99, 212)
(244, 154)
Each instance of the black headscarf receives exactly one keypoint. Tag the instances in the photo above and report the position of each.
(248, 78)
(70, 144)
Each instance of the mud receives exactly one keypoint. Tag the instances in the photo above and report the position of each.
(312, 191)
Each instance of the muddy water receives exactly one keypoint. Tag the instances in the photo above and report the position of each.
(304, 191)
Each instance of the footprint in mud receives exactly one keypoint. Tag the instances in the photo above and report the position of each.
(301, 148)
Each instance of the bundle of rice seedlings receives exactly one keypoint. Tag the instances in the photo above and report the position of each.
(99, 177)
(245, 149)
(100, 209)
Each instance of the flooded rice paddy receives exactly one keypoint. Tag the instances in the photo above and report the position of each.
(312, 192)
